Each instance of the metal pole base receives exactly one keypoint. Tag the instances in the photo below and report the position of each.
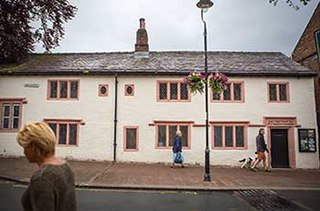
(207, 177)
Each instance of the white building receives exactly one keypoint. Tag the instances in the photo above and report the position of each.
(127, 106)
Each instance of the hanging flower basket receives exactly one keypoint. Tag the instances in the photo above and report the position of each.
(195, 82)
(218, 82)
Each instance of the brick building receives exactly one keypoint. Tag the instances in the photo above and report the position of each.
(307, 53)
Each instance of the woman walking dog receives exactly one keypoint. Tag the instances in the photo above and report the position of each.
(261, 149)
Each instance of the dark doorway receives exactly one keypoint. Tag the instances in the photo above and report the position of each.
(279, 148)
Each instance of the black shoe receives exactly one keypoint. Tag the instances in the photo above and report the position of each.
(253, 169)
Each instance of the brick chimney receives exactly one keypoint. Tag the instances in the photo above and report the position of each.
(142, 46)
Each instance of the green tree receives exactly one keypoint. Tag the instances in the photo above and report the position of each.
(291, 3)
(18, 33)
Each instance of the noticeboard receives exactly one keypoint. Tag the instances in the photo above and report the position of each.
(307, 140)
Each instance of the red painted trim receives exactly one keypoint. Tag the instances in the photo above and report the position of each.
(22, 99)
(125, 89)
(256, 125)
(80, 121)
(277, 83)
(198, 125)
(107, 92)
(231, 94)
(230, 122)
(168, 91)
(172, 122)
(58, 89)
(125, 138)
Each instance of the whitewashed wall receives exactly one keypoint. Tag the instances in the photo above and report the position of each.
(96, 135)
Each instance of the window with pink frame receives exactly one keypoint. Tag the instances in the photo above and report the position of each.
(278, 92)
(65, 131)
(131, 138)
(10, 114)
(63, 89)
(233, 92)
(166, 133)
(229, 136)
(173, 91)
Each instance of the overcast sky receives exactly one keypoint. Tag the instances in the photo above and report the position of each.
(175, 25)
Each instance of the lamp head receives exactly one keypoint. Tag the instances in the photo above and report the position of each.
(204, 4)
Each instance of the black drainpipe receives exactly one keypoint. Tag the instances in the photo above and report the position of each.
(115, 119)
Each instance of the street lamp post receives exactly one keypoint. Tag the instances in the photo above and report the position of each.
(204, 5)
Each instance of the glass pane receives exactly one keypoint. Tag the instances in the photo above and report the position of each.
(103, 90)
(184, 95)
(16, 110)
(218, 136)
(73, 134)
(6, 110)
(227, 93)
(53, 126)
(15, 123)
(163, 91)
(162, 131)
(272, 92)
(63, 89)
(5, 124)
(216, 96)
(283, 92)
(131, 134)
(184, 138)
(173, 91)
(62, 133)
(53, 89)
(229, 136)
(172, 133)
(239, 136)
(237, 91)
(74, 89)
(129, 90)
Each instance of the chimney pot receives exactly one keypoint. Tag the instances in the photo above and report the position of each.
(142, 23)
(142, 46)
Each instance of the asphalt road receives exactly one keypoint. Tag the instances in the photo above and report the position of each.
(10, 196)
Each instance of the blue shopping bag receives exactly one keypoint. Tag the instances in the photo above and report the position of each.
(178, 158)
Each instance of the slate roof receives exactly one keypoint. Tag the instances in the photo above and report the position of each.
(166, 63)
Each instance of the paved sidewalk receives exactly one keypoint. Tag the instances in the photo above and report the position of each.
(93, 174)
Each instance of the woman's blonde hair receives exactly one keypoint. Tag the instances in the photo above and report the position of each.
(178, 133)
(38, 135)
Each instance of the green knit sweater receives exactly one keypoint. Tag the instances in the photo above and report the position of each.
(52, 187)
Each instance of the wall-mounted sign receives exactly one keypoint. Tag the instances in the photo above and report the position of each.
(307, 140)
(31, 85)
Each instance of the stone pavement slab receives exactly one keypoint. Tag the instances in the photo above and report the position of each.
(119, 175)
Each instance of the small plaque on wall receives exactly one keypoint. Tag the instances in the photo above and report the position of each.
(307, 140)
(31, 85)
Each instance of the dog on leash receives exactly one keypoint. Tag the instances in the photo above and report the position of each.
(246, 162)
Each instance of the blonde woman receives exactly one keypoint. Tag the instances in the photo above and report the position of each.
(52, 186)
(177, 149)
